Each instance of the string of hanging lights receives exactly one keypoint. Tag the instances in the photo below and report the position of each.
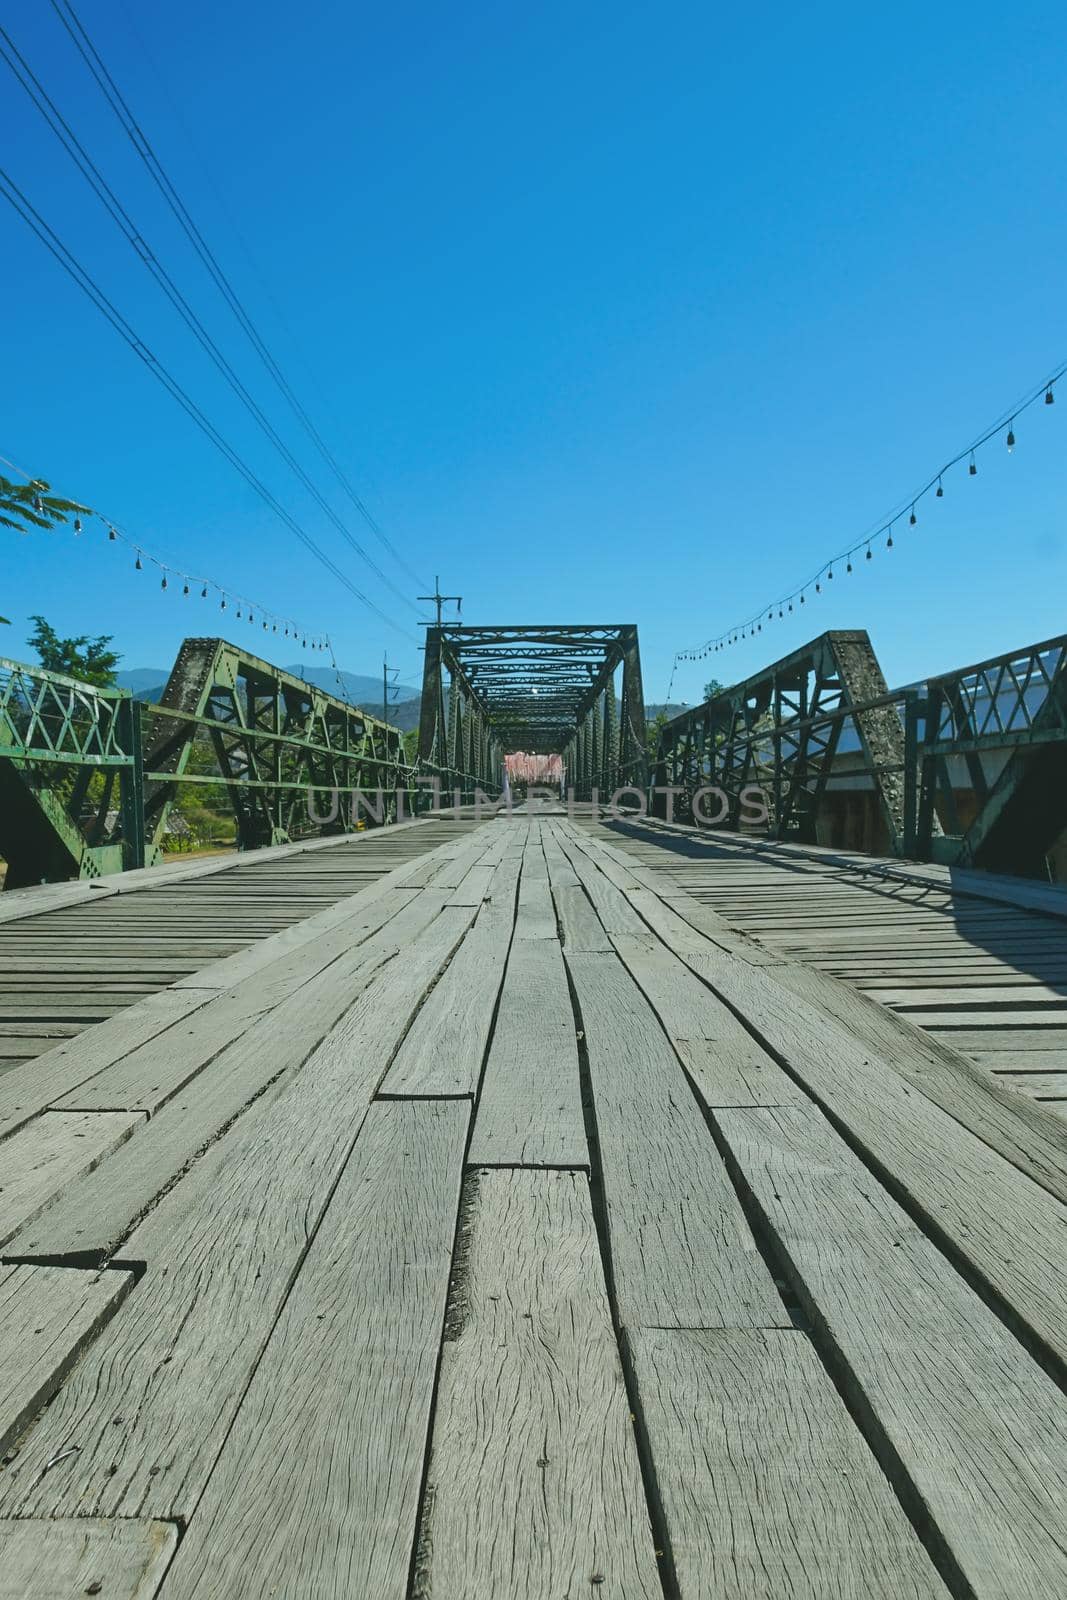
(187, 585)
(863, 548)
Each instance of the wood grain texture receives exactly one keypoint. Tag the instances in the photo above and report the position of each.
(768, 1488)
(153, 1400)
(443, 1051)
(49, 1154)
(29, 1089)
(682, 1253)
(1025, 1137)
(349, 1372)
(530, 1109)
(983, 1203)
(725, 1062)
(65, 1560)
(47, 1316)
(148, 1077)
(95, 1213)
(975, 1424)
(534, 1487)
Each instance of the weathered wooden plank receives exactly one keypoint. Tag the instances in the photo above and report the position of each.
(47, 1317)
(943, 1074)
(157, 1393)
(962, 1184)
(767, 1486)
(148, 1077)
(534, 1486)
(360, 911)
(50, 1154)
(536, 916)
(530, 1110)
(1007, 1061)
(682, 1253)
(974, 1041)
(959, 1407)
(723, 1060)
(27, 1090)
(581, 928)
(443, 1051)
(96, 1213)
(980, 1201)
(1041, 1085)
(349, 1370)
(123, 1560)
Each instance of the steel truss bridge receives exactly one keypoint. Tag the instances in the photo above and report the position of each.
(547, 1201)
(966, 768)
(543, 689)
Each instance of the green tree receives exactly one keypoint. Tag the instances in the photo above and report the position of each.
(30, 505)
(712, 688)
(652, 733)
(87, 658)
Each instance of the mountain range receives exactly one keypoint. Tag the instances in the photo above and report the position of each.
(147, 683)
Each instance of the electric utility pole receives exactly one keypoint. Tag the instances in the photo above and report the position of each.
(386, 685)
(439, 599)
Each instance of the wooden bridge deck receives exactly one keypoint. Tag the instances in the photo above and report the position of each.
(523, 1226)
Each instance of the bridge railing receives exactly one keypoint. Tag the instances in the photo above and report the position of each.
(969, 767)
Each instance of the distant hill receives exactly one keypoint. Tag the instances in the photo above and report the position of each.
(672, 710)
(358, 688)
(146, 682)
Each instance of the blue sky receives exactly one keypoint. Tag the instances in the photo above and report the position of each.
(610, 312)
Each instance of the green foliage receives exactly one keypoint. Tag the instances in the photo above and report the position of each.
(87, 658)
(29, 505)
(712, 688)
(652, 733)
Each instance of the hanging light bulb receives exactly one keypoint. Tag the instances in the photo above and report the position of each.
(203, 592)
(137, 564)
(869, 556)
(222, 607)
(112, 534)
(305, 645)
(802, 600)
(818, 587)
(238, 613)
(251, 619)
(274, 629)
(913, 519)
(77, 525)
(1049, 396)
(1010, 440)
(830, 572)
(849, 567)
(185, 588)
(163, 585)
(37, 506)
(972, 469)
(940, 492)
(790, 605)
(889, 541)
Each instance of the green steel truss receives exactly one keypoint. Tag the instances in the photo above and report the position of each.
(88, 776)
(969, 768)
(68, 753)
(272, 738)
(779, 731)
(539, 688)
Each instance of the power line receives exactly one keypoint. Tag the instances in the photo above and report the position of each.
(91, 56)
(934, 487)
(122, 219)
(172, 576)
(11, 192)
